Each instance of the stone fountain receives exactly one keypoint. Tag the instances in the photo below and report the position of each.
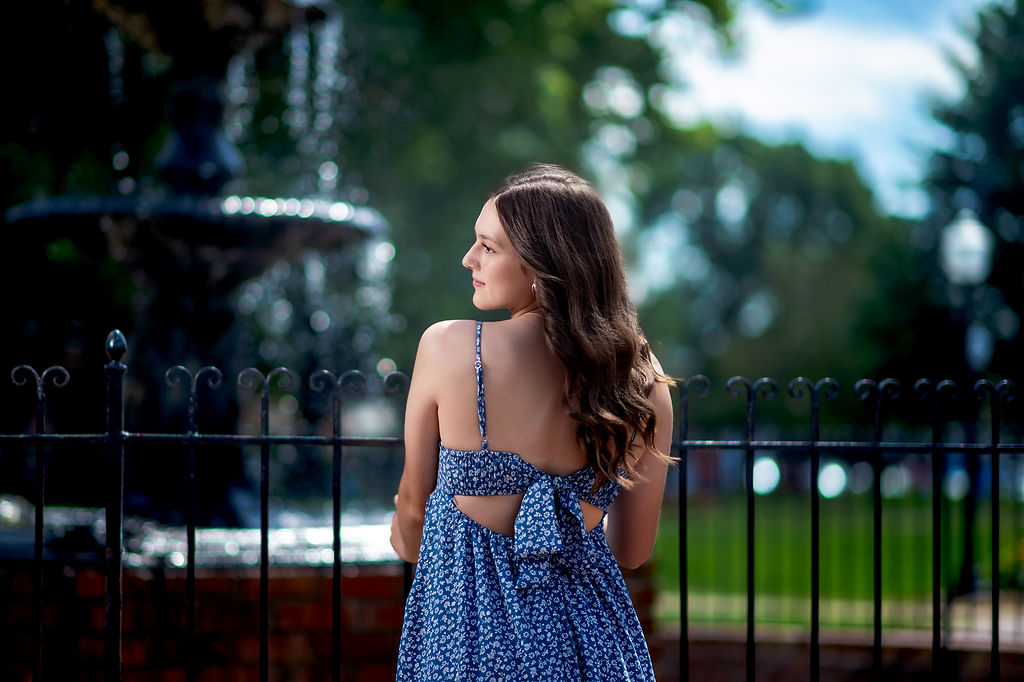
(196, 249)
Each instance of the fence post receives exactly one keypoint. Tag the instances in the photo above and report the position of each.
(865, 389)
(41, 463)
(20, 376)
(250, 377)
(116, 348)
(997, 394)
(213, 377)
(768, 388)
(703, 386)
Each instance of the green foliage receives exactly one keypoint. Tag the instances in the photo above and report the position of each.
(435, 104)
(745, 258)
(762, 261)
(439, 101)
(449, 100)
(771, 261)
(981, 170)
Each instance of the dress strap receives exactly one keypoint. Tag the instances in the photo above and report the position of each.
(481, 409)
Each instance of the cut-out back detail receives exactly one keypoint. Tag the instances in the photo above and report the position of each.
(548, 603)
(498, 512)
(550, 516)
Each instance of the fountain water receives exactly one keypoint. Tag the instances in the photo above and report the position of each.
(219, 275)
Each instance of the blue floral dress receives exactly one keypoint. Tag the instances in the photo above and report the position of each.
(548, 604)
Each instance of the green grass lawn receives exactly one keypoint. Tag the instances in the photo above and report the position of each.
(782, 565)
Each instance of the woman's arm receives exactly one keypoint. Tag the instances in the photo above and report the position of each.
(633, 517)
(422, 438)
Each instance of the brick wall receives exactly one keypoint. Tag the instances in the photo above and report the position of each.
(227, 615)
(227, 623)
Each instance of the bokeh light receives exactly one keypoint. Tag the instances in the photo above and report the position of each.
(766, 475)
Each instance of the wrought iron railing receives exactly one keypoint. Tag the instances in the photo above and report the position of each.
(876, 397)
(116, 438)
(939, 399)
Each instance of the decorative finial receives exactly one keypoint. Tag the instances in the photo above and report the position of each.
(116, 346)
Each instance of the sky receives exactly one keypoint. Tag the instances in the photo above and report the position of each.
(848, 78)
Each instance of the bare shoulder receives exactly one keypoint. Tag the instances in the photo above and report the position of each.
(436, 367)
(663, 380)
(439, 339)
(516, 336)
(660, 393)
(656, 364)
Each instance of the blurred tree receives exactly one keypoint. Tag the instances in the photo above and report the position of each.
(431, 105)
(447, 99)
(763, 252)
(762, 260)
(427, 105)
(981, 170)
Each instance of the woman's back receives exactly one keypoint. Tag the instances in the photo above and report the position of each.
(523, 385)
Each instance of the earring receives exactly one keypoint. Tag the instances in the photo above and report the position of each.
(533, 288)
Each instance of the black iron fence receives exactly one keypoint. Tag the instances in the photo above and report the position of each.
(944, 404)
(113, 443)
(766, 465)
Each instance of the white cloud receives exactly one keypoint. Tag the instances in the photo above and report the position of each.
(848, 89)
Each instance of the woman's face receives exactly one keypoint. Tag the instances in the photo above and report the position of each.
(500, 278)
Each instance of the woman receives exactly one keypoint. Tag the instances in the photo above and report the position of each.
(504, 493)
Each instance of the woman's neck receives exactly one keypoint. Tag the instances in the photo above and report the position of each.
(533, 310)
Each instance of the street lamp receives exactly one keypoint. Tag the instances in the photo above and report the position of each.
(965, 254)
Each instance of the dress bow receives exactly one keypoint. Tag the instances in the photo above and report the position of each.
(549, 525)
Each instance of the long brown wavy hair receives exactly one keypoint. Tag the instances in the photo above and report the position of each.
(562, 230)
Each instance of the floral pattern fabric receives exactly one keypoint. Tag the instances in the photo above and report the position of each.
(546, 605)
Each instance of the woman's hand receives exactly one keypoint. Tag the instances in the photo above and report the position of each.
(396, 541)
(396, 538)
